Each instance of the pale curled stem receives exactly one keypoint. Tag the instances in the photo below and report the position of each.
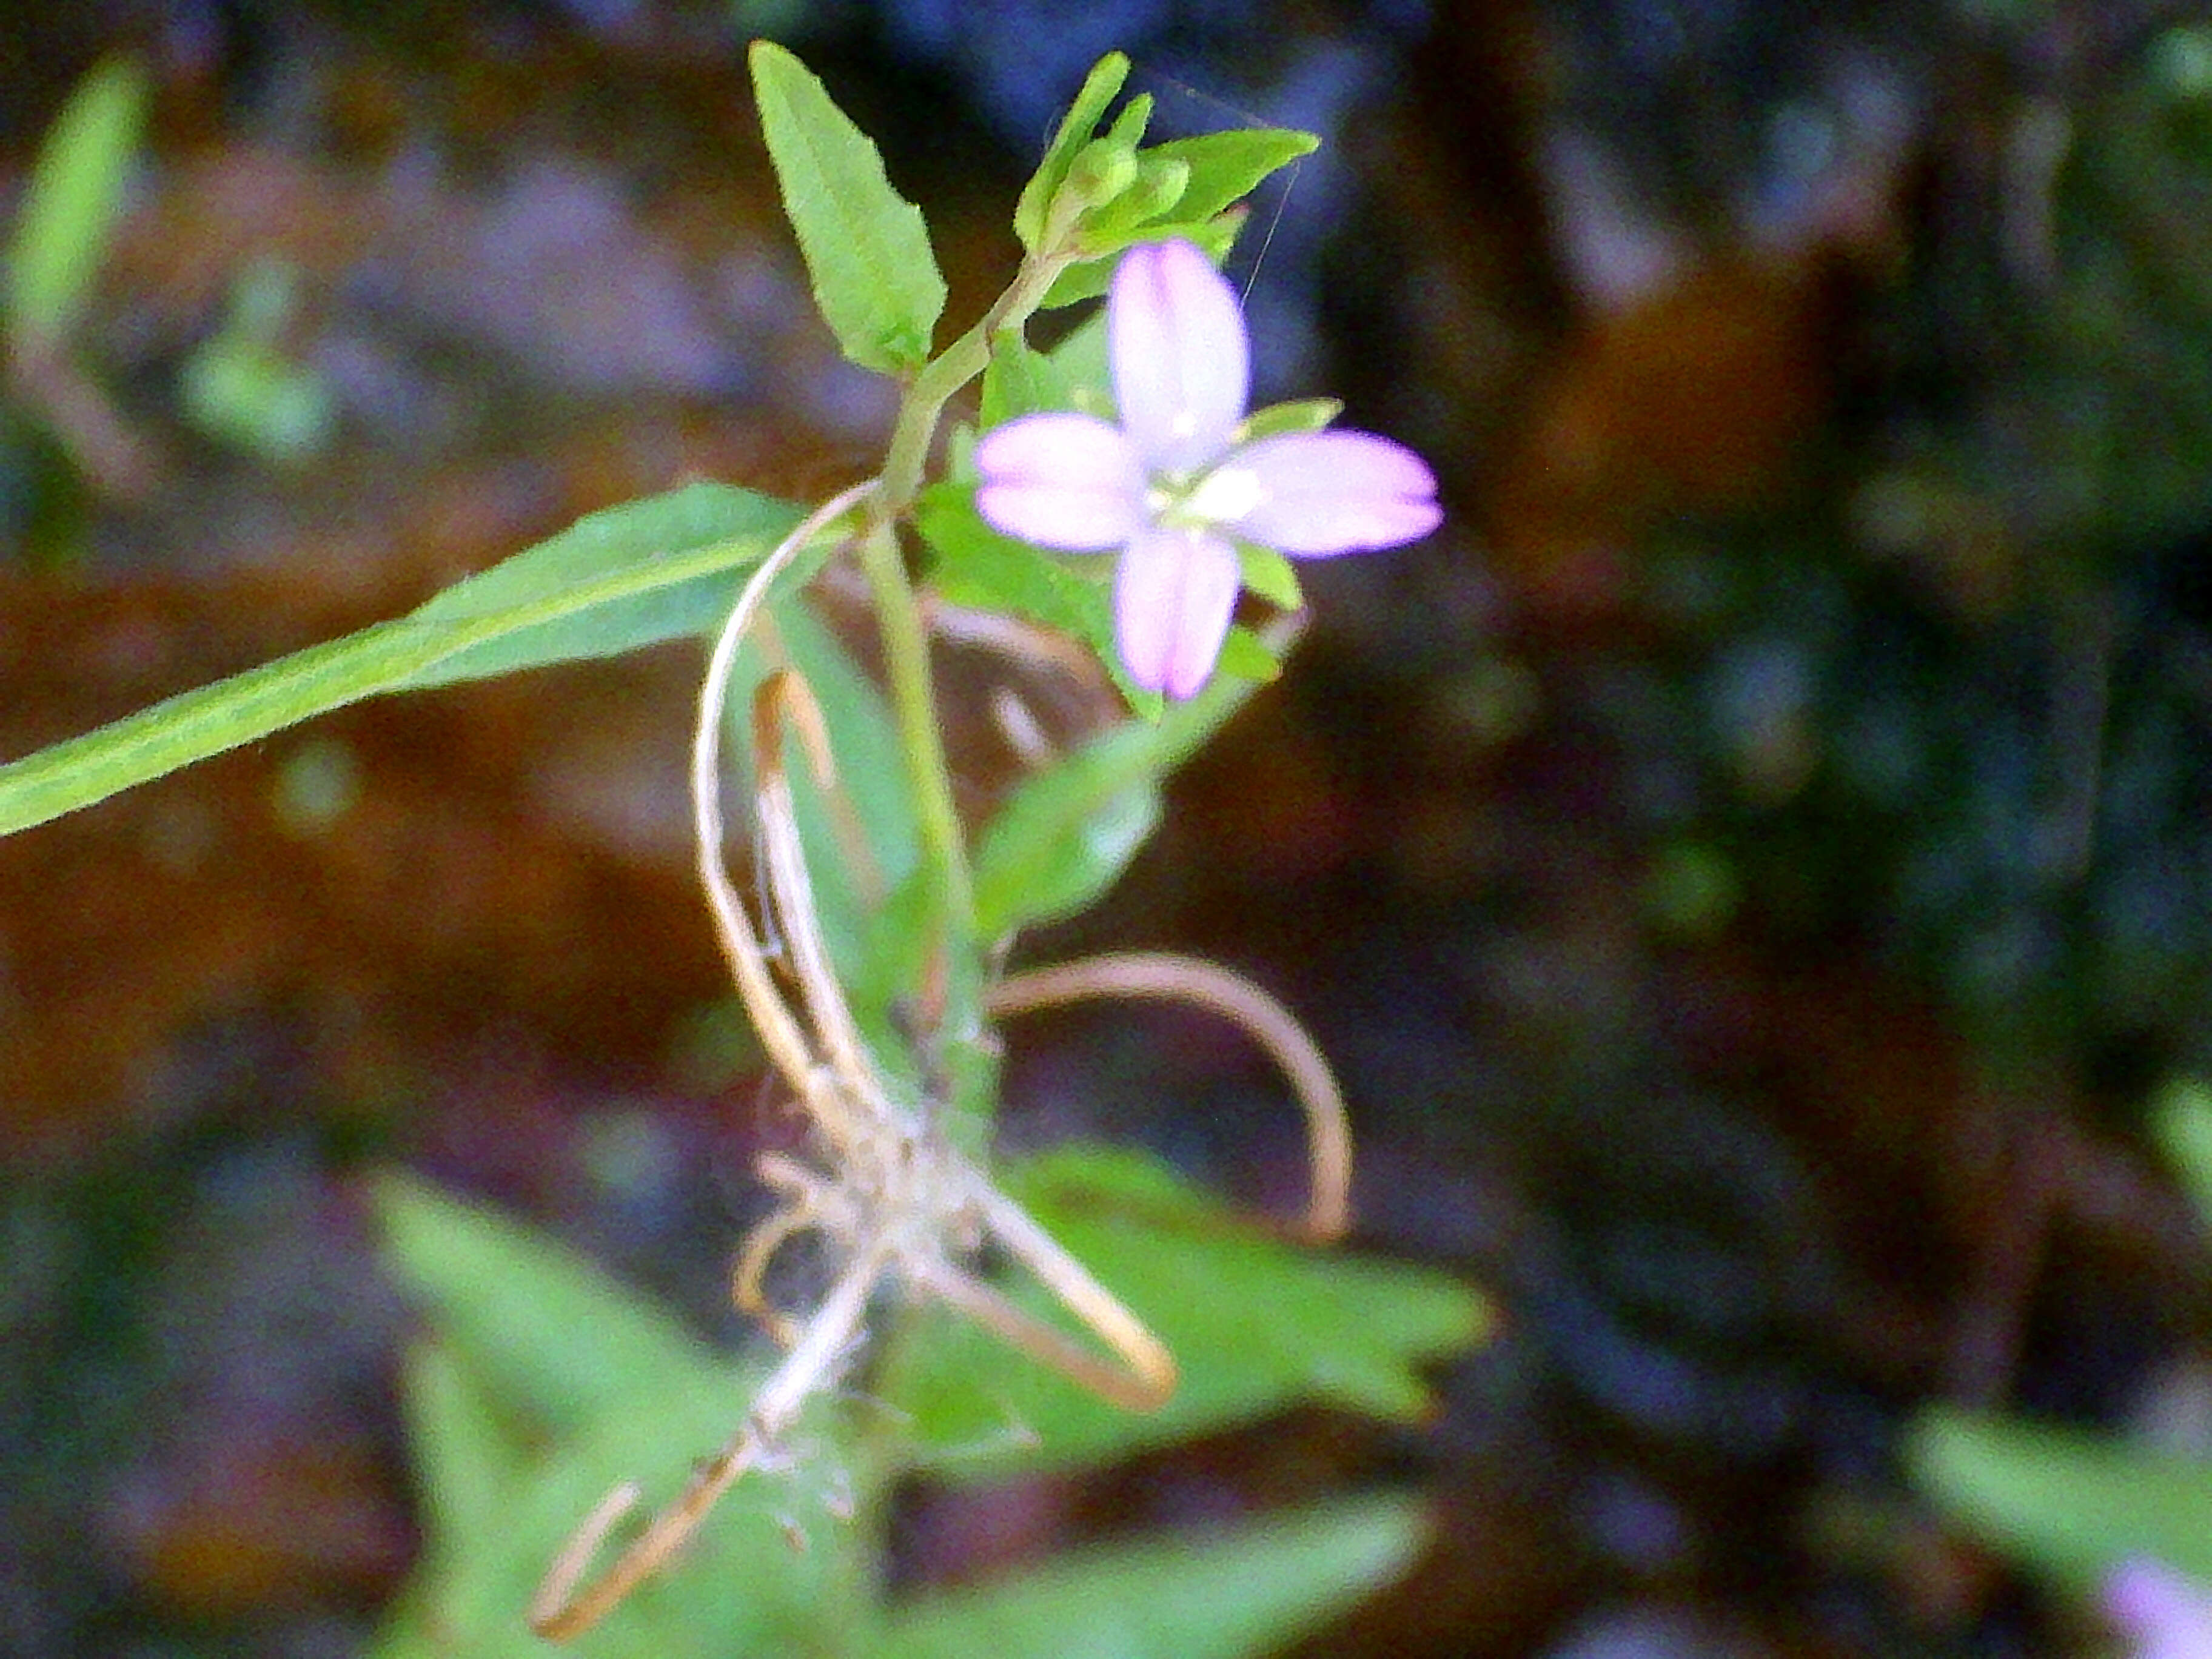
(1166, 976)
(560, 1612)
(785, 699)
(802, 1213)
(1146, 1376)
(779, 1028)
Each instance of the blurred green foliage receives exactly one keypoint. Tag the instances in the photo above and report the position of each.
(240, 387)
(75, 196)
(539, 1385)
(2069, 1504)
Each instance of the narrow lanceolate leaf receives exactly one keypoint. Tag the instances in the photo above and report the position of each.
(652, 570)
(1226, 167)
(1104, 80)
(866, 247)
(1234, 1592)
(75, 195)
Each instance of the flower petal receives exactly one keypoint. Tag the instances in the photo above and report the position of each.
(1172, 598)
(1181, 363)
(2166, 1615)
(1335, 492)
(1061, 480)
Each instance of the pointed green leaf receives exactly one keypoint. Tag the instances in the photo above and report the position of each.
(2069, 1502)
(1219, 1596)
(627, 577)
(1128, 131)
(633, 558)
(1063, 837)
(1226, 167)
(549, 1334)
(1245, 655)
(866, 247)
(1268, 573)
(1073, 132)
(72, 202)
(1256, 1324)
(1218, 171)
(1302, 415)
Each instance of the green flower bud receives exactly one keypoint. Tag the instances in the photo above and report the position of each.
(1159, 185)
(1102, 170)
(1161, 182)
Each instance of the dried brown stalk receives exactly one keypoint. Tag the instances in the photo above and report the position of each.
(899, 1203)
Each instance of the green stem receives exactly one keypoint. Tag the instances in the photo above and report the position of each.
(913, 702)
(898, 611)
(937, 380)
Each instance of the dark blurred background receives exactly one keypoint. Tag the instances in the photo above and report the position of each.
(1750, 867)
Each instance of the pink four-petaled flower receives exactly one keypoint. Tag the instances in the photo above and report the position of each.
(1172, 487)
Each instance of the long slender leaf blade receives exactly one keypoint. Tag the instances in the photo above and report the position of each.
(658, 578)
(74, 197)
(636, 532)
(1219, 1596)
(660, 535)
(194, 725)
(866, 247)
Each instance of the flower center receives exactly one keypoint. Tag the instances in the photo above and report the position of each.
(1221, 496)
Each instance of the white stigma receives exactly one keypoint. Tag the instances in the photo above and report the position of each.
(1225, 495)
